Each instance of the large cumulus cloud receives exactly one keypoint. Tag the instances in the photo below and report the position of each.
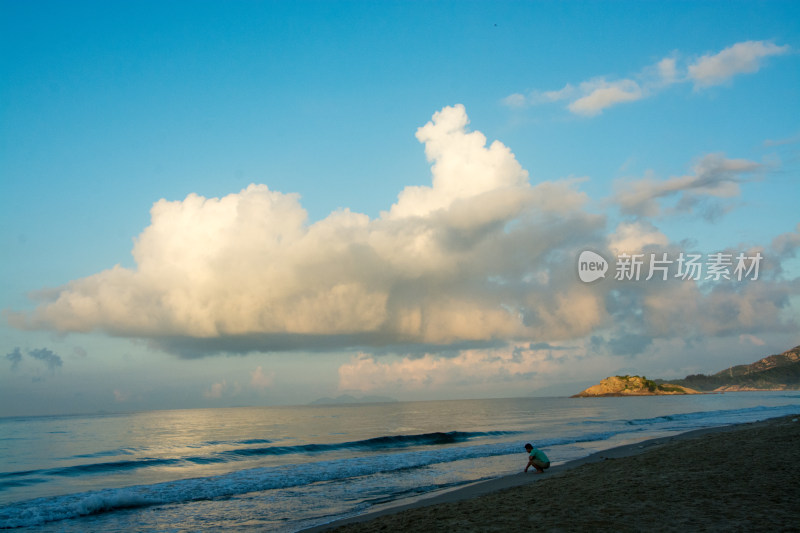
(481, 259)
(461, 260)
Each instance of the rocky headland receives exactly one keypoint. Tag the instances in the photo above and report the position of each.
(632, 386)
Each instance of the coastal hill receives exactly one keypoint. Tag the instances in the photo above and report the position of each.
(776, 372)
(632, 386)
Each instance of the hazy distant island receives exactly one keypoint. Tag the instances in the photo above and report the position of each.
(346, 398)
(775, 372)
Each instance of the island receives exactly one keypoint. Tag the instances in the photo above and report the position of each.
(632, 386)
(774, 372)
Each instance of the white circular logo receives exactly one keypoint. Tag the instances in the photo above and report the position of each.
(591, 266)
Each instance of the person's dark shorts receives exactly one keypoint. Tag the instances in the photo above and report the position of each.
(543, 466)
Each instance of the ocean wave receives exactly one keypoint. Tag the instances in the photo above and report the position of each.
(14, 483)
(714, 416)
(147, 449)
(36, 512)
(105, 453)
(376, 444)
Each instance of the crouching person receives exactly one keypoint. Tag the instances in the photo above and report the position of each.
(536, 459)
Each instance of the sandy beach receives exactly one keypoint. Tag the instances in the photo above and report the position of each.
(735, 478)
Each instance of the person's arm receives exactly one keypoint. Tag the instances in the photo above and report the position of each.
(530, 463)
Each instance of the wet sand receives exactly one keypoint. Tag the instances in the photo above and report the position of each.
(734, 478)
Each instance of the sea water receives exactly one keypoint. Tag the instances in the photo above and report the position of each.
(289, 468)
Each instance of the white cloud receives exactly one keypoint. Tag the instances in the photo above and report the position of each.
(787, 244)
(215, 391)
(365, 373)
(794, 139)
(481, 262)
(741, 58)
(728, 309)
(590, 98)
(515, 100)
(751, 339)
(261, 380)
(463, 168)
(248, 272)
(567, 92)
(600, 94)
(541, 97)
(634, 237)
(222, 388)
(667, 70)
(713, 175)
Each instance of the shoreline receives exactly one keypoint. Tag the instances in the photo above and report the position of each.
(411, 512)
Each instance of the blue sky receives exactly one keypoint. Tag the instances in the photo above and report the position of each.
(304, 199)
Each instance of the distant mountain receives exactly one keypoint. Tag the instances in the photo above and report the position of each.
(346, 398)
(776, 372)
(632, 386)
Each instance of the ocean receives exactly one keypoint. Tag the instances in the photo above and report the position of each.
(289, 468)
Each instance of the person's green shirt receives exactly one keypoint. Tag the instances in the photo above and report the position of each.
(538, 456)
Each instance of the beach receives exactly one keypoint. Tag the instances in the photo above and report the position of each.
(732, 478)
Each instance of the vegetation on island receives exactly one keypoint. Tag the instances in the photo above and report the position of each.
(633, 386)
(637, 382)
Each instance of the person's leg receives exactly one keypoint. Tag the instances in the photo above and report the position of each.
(539, 466)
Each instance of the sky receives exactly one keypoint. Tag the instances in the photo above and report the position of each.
(212, 204)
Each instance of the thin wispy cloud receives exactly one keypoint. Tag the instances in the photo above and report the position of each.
(49, 358)
(259, 379)
(15, 357)
(713, 175)
(592, 97)
(601, 94)
(741, 58)
(216, 390)
(783, 142)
